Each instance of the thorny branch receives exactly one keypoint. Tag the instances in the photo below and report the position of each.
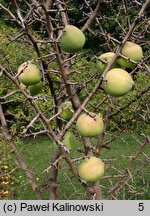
(118, 184)
(53, 30)
(21, 162)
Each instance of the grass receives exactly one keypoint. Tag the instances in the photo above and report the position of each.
(122, 151)
(37, 154)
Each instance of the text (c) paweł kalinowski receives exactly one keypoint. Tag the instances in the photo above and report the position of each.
(62, 207)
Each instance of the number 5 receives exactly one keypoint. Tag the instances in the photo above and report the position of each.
(141, 206)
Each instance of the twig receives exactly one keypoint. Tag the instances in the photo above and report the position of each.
(132, 161)
(21, 162)
(91, 18)
(53, 164)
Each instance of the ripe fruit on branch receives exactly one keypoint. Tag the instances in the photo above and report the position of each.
(132, 51)
(91, 169)
(35, 89)
(89, 125)
(118, 82)
(67, 110)
(29, 73)
(72, 39)
(108, 56)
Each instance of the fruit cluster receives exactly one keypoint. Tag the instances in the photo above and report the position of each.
(117, 82)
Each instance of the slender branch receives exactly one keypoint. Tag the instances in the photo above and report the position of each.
(126, 12)
(91, 18)
(48, 4)
(130, 102)
(49, 24)
(106, 125)
(19, 14)
(74, 99)
(63, 13)
(11, 14)
(93, 190)
(127, 170)
(21, 162)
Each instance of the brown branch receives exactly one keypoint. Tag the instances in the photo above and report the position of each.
(130, 102)
(63, 13)
(127, 170)
(21, 162)
(106, 125)
(72, 96)
(70, 91)
(124, 2)
(11, 14)
(19, 14)
(92, 190)
(48, 4)
(48, 20)
(91, 18)
(53, 176)
(44, 66)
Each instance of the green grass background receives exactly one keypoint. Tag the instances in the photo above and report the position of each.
(37, 154)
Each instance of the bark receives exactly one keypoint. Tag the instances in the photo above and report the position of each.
(53, 178)
(91, 18)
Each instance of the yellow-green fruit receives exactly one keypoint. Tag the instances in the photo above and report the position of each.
(67, 110)
(35, 89)
(91, 169)
(108, 56)
(29, 74)
(90, 125)
(72, 39)
(132, 51)
(118, 82)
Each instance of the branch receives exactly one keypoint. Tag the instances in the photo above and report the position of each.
(18, 11)
(48, 4)
(130, 102)
(48, 21)
(63, 13)
(91, 18)
(127, 170)
(10, 13)
(106, 125)
(70, 91)
(21, 162)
